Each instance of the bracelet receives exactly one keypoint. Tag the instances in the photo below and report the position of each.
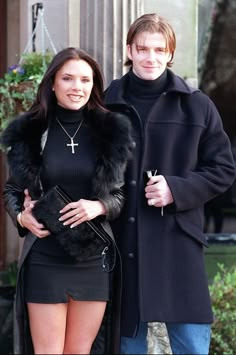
(19, 219)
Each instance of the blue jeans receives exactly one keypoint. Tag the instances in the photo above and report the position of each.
(185, 338)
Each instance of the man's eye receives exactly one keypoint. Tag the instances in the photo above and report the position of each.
(142, 50)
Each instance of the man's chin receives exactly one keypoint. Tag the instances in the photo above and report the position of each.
(150, 76)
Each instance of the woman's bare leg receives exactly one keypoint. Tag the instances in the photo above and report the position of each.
(48, 327)
(83, 322)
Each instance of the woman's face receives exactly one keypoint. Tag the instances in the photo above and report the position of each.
(73, 84)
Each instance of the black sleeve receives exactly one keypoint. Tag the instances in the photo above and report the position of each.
(13, 199)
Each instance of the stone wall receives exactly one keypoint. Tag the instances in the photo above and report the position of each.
(157, 339)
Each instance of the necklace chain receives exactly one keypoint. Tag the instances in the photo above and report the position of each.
(77, 130)
(72, 144)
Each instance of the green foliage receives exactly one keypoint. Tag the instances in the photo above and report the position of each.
(19, 86)
(223, 295)
(219, 253)
(15, 99)
(35, 64)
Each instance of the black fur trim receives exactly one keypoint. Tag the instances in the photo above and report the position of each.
(114, 132)
(22, 139)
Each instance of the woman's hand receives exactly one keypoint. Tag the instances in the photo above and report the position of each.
(28, 220)
(80, 211)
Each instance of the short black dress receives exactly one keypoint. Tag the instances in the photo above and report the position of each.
(51, 275)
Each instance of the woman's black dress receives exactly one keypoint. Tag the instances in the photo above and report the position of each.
(51, 275)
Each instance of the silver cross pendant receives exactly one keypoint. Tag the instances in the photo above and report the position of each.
(72, 145)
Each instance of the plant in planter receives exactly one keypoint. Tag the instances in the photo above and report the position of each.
(19, 86)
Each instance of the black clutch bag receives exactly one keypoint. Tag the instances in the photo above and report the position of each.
(85, 240)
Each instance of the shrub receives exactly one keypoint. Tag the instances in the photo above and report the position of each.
(223, 295)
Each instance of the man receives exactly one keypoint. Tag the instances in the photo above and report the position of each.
(182, 159)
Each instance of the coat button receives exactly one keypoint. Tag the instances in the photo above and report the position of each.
(133, 144)
(132, 182)
(131, 255)
(131, 220)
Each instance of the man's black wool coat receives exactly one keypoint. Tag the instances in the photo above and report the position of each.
(164, 277)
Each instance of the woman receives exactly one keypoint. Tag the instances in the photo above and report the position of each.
(67, 138)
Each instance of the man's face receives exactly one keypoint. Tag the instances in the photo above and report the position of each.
(149, 55)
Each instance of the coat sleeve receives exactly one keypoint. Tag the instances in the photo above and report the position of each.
(13, 198)
(214, 172)
(113, 203)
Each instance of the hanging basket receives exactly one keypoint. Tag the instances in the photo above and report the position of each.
(23, 86)
(15, 98)
(23, 94)
(19, 86)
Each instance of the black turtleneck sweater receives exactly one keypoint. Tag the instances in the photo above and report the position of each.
(142, 94)
(73, 172)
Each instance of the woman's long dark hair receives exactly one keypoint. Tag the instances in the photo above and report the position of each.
(46, 99)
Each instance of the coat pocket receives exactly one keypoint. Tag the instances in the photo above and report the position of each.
(193, 230)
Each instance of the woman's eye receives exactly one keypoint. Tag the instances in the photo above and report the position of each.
(66, 78)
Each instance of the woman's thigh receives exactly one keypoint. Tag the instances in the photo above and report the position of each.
(47, 327)
(84, 319)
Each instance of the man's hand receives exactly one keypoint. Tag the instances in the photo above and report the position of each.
(157, 192)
